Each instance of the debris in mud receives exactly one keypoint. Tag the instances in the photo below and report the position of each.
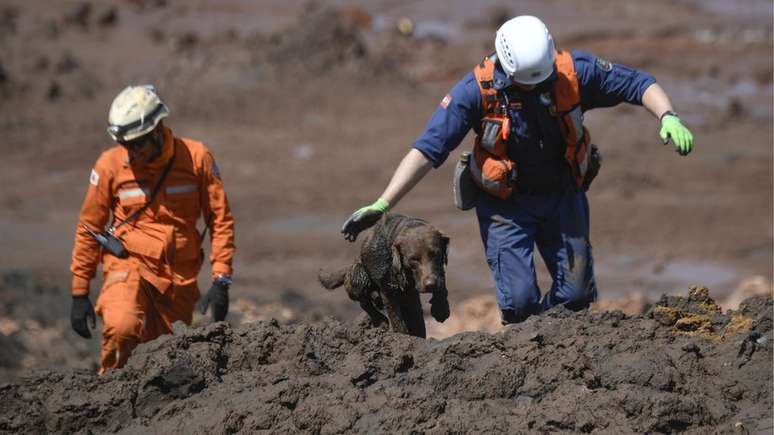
(185, 42)
(735, 108)
(562, 371)
(321, 40)
(345, 40)
(41, 64)
(405, 26)
(79, 15)
(148, 4)
(157, 35)
(698, 314)
(108, 18)
(8, 21)
(51, 29)
(3, 76)
(67, 64)
(54, 91)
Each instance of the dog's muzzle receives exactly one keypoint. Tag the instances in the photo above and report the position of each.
(429, 285)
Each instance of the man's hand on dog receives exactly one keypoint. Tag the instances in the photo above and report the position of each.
(364, 218)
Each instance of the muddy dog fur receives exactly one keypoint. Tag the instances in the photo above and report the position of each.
(399, 259)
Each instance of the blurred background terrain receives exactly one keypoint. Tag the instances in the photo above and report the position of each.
(309, 107)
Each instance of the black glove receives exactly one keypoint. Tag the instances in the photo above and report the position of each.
(364, 218)
(217, 295)
(80, 312)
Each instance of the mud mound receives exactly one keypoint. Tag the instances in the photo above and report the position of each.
(326, 40)
(564, 371)
(481, 313)
(752, 286)
(323, 38)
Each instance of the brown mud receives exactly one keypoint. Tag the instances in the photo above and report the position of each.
(561, 372)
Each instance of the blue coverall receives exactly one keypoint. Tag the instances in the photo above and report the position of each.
(548, 209)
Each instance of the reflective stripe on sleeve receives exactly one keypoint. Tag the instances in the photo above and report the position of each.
(132, 193)
(182, 189)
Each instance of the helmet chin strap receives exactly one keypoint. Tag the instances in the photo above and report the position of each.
(157, 141)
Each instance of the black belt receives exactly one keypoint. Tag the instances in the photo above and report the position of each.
(542, 182)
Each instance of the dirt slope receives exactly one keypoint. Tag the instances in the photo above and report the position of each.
(682, 367)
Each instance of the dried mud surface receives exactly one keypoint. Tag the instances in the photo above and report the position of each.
(682, 367)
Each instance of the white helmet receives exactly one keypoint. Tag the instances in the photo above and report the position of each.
(525, 49)
(134, 112)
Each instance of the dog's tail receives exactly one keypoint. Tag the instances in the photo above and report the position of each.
(332, 280)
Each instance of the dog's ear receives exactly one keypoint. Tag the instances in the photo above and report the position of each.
(445, 248)
(398, 271)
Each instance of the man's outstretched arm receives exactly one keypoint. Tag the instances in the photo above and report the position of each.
(410, 171)
(448, 125)
(657, 102)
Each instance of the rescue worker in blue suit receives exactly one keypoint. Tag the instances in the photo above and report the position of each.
(547, 206)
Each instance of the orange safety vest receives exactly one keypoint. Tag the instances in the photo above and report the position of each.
(492, 169)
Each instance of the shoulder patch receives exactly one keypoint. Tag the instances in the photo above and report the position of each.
(604, 64)
(94, 178)
(214, 169)
(446, 101)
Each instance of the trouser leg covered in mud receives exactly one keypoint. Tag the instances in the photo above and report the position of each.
(133, 312)
(558, 224)
(564, 244)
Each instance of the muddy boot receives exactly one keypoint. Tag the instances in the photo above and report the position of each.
(508, 317)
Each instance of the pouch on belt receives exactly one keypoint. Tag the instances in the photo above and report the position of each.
(153, 246)
(464, 189)
(595, 164)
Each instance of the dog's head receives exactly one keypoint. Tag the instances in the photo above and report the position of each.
(420, 255)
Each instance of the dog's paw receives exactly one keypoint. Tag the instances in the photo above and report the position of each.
(439, 308)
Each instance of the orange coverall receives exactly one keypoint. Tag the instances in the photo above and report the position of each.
(144, 294)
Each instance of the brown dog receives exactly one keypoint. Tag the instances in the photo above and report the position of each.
(400, 258)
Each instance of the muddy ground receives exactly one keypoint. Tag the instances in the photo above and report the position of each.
(681, 367)
(308, 109)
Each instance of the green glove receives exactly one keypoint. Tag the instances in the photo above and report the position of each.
(364, 218)
(672, 128)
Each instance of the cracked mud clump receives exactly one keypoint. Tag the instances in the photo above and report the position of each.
(683, 366)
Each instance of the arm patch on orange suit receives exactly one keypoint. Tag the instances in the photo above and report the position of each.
(94, 178)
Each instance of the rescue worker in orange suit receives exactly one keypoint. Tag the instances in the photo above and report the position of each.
(144, 199)
(532, 160)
